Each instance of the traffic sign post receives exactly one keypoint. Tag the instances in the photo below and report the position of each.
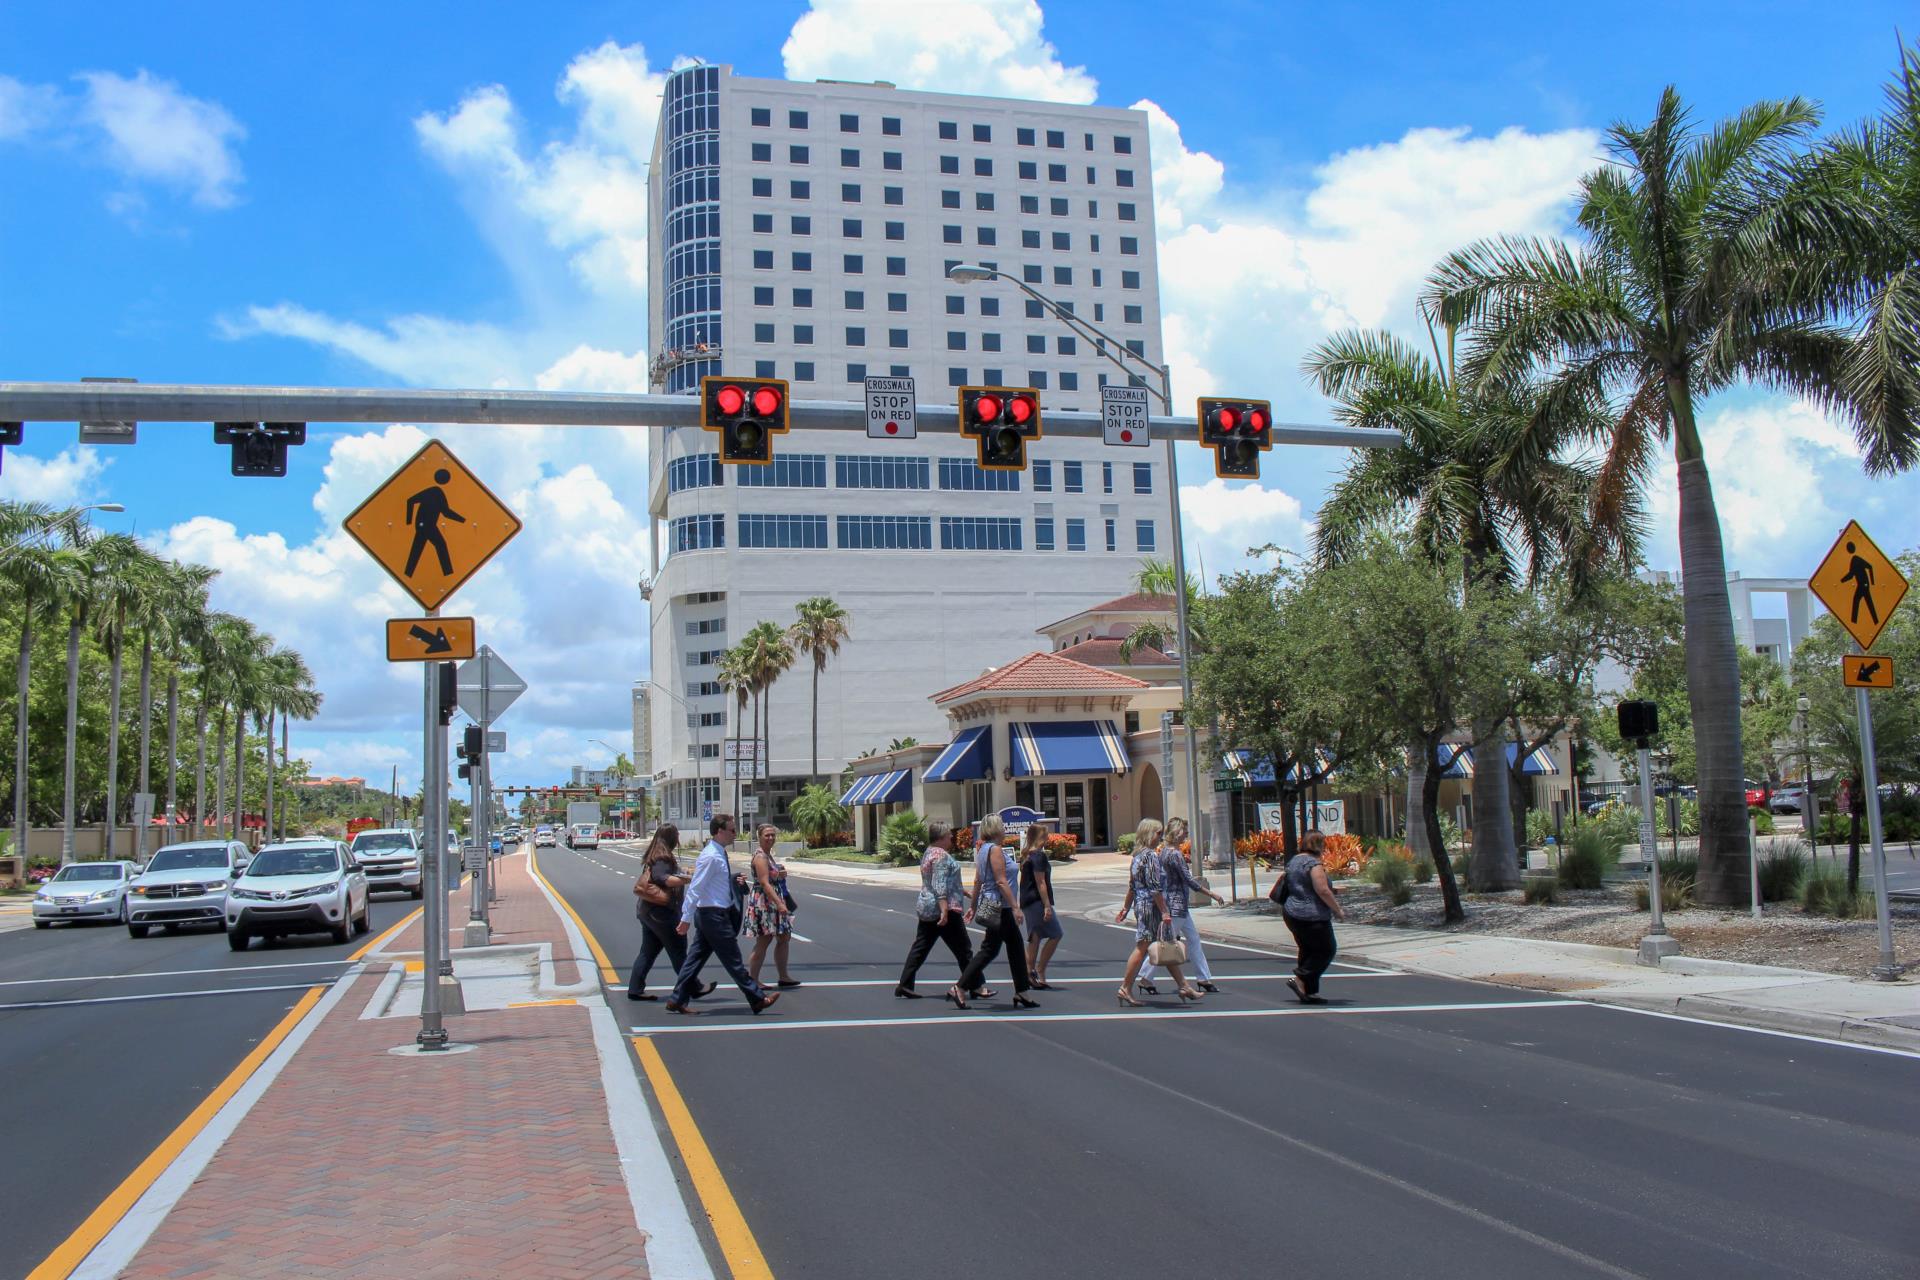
(1124, 416)
(1857, 578)
(432, 525)
(486, 687)
(429, 639)
(891, 409)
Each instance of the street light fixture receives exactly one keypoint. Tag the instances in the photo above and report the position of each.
(1119, 353)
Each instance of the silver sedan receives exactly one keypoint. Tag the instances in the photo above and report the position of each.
(84, 891)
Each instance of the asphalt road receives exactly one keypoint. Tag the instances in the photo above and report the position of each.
(108, 1042)
(1415, 1126)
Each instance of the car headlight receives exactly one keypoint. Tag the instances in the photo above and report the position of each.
(103, 895)
(315, 891)
(251, 895)
(140, 890)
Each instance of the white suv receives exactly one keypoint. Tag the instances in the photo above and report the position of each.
(184, 884)
(391, 858)
(84, 891)
(308, 887)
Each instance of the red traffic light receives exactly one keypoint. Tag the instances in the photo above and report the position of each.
(766, 401)
(1256, 421)
(986, 409)
(730, 399)
(1223, 419)
(1020, 409)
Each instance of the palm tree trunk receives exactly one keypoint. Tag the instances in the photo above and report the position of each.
(1423, 845)
(286, 762)
(146, 739)
(200, 765)
(73, 730)
(814, 776)
(266, 816)
(1494, 864)
(1713, 682)
(173, 745)
(239, 771)
(219, 770)
(24, 670)
(754, 790)
(113, 744)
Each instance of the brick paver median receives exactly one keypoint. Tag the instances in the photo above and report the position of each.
(356, 1163)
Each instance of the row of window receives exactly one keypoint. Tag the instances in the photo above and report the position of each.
(957, 375)
(856, 336)
(851, 192)
(856, 299)
(945, 130)
(707, 626)
(894, 533)
(892, 471)
(855, 264)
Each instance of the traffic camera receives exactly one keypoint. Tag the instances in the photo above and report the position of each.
(746, 412)
(1238, 432)
(1000, 421)
(260, 448)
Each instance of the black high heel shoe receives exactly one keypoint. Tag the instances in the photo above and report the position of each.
(955, 999)
(1021, 1002)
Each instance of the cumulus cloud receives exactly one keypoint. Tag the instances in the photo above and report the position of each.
(157, 132)
(421, 349)
(945, 46)
(25, 108)
(68, 477)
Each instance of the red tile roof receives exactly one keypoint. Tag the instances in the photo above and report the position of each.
(1103, 652)
(1138, 602)
(1043, 673)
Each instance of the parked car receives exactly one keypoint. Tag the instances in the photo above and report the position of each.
(1757, 793)
(298, 888)
(84, 891)
(543, 838)
(184, 883)
(1788, 800)
(391, 858)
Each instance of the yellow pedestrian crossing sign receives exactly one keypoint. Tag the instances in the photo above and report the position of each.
(432, 525)
(1859, 584)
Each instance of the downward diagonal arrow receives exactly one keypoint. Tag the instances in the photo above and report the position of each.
(435, 640)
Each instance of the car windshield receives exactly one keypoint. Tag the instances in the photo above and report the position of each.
(94, 871)
(294, 862)
(376, 841)
(186, 857)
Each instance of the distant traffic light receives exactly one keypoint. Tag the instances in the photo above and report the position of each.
(1000, 421)
(259, 448)
(1238, 432)
(746, 412)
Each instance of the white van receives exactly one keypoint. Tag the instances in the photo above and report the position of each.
(584, 835)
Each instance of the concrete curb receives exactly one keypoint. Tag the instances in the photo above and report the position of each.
(1826, 1026)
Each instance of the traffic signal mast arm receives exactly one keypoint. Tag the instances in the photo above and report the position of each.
(162, 403)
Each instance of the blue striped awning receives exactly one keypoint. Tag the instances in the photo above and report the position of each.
(1043, 748)
(880, 788)
(1259, 769)
(1539, 761)
(966, 758)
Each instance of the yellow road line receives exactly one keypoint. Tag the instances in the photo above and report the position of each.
(540, 1004)
(730, 1228)
(74, 1249)
(607, 972)
(386, 933)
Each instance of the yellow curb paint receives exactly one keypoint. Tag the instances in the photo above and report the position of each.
(74, 1250)
(540, 1004)
(414, 966)
(386, 933)
(607, 973)
(730, 1228)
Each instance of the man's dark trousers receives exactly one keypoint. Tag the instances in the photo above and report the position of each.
(712, 934)
(954, 934)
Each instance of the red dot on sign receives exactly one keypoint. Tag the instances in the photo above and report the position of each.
(1126, 437)
(893, 428)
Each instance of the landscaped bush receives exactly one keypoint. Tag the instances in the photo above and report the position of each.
(1540, 890)
(1539, 826)
(1125, 844)
(1345, 856)
(1782, 870)
(963, 843)
(1061, 846)
(819, 816)
(1423, 871)
(1588, 858)
(1264, 848)
(1449, 834)
(1824, 893)
(1677, 877)
(1762, 821)
(903, 839)
(1394, 876)
(1617, 823)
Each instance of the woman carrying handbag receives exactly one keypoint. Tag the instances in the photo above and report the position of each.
(1147, 899)
(995, 909)
(657, 904)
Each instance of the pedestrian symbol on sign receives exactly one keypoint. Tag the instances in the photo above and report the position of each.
(1859, 585)
(424, 510)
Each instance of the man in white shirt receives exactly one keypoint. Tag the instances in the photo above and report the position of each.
(706, 920)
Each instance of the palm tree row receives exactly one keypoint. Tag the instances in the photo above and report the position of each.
(1749, 252)
(112, 588)
(749, 669)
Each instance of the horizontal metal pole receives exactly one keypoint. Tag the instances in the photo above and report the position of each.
(160, 402)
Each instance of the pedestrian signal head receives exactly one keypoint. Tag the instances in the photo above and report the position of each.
(1000, 421)
(260, 448)
(1238, 432)
(746, 412)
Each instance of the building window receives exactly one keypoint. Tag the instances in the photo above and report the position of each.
(982, 167)
(796, 155)
(763, 333)
(1034, 310)
(1036, 344)
(896, 231)
(983, 133)
(1062, 240)
(989, 342)
(899, 371)
(1132, 313)
(956, 305)
(850, 192)
(703, 657)
(879, 471)
(803, 297)
(763, 223)
(890, 160)
(1129, 279)
(956, 340)
(1127, 213)
(1093, 175)
(1037, 379)
(763, 259)
(1096, 280)
(893, 195)
(796, 119)
(799, 190)
(803, 262)
(950, 164)
(950, 235)
(979, 533)
(1123, 177)
(803, 335)
(695, 471)
(707, 627)
(763, 187)
(856, 336)
(885, 533)
(896, 302)
(762, 152)
(764, 369)
(1063, 275)
(803, 371)
(1028, 170)
(956, 377)
(983, 201)
(989, 306)
(1056, 173)
(856, 300)
(1032, 273)
(1029, 239)
(1023, 137)
(1112, 541)
(783, 531)
(1043, 533)
(849, 124)
(1143, 477)
(1056, 138)
(1057, 206)
(1064, 346)
(849, 157)
(703, 689)
(856, 373)
(949, 131)
(897, 338)
(1106, 477)
(1069, 381)
(1076, 534)
(853, 264)
(1143, 535)
(786, 471)
(760, 117)
(1129, 246)
(896, 266)
(1122, 146)
(966, 475)
(1070, 478)
(1042, 476)
(993, 377)
(949, 199)
(1029, 204)
(890, 126)
(696, 533)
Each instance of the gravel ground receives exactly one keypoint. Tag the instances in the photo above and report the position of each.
(1606, 917)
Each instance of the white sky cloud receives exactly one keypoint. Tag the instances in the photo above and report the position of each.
(989, 47)
(68, 477)
(157, 132)
(25, 108)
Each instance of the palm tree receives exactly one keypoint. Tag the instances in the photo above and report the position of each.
(246, 654)
(769, 656)
(214, 632)
(185, 618)
(289, 693)
(78, 602)
(125, 575)
(1481, 471)
(39, 576)
(1699, 269)
(818, 633)
(733, 675)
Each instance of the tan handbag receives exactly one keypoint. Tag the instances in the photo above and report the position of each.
(1166, 953)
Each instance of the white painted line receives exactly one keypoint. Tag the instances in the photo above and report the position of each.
(1258, 951)
(1759, 1031)
(116, 1252)
(798, 937)
(829, 897)
(1109, 978)
(171, 973)
(660, 1209)
(157, 995)
(958, 1019)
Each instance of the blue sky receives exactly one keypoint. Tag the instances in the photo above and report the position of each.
(376, 194)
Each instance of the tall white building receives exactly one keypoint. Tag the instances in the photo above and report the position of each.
(805, 230)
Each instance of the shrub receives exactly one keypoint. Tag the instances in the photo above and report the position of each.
(1540, 890)
(963, 842)
(1824, 893)
(1762, 821)
(1677, 876)
(1345, 856)
(1125, 844)
(1459, 864)
(1589, 857)
(903, 839)
(830, 839)
(1423, 871)
(1268, 848)
(1539, 826)
(817, 813)
(1395, 878)
(1449, 834)
(1781, 872)
(1618, 824)
(1061, 846)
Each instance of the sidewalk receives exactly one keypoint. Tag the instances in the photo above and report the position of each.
(1886, 1014)
(527, 1156)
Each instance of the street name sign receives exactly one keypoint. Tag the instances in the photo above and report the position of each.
(487, 686)
(496, 741)
(1865, 671)
(1123, 416)
(890, 409)
(432, 525)
(429, 639)
(1859, 584)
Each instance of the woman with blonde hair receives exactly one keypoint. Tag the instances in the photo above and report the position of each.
(1147, 899)
(1036, 904)
(1180, 888)
(995, 907)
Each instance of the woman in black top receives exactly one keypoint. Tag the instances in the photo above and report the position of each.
(657, 895)
(1309, 906)
(1036, 905)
